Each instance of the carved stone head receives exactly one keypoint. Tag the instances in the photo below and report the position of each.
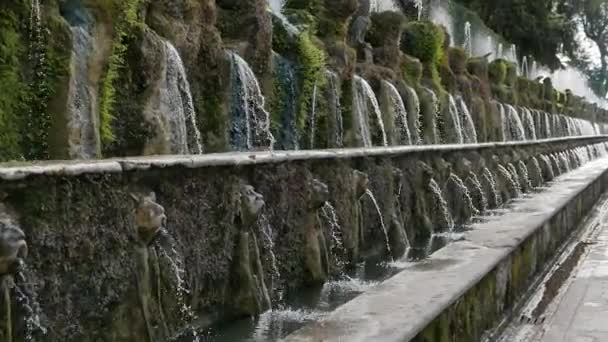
(319, 194)
(149, 217)
(250, 204)
(361, 180)
(13, 247)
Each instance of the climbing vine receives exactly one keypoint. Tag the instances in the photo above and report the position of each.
(128, 20)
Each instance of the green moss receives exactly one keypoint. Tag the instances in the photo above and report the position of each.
(423, 40)
(128, 19)
(498, 71)
(311, 63)
(386, 28)
(13, 89)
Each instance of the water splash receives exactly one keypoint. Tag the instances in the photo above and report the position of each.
(528, 124)
(329, 214)
(414, 115)
(268, 236)
(185, 135)
(468, 41)
(84, 141)
(420, 6)
(450, 127)
(476, 192)
(371, 196)
(439, 208)
(524, 178)
(515, 127)
(26, 299)
(285, 76)
(364, 99)
(468, 127)
(459, 200)
(250, 127)
(168, 252)
(491, 189)
(402, 131)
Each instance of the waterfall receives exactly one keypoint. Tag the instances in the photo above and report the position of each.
(329, 214)
(468, 127)
(402, 132)
(476, 192)
(364, 98)
(185, 135)
(535, 172)
(547, 167)
(276, 8)
(491, 189)
(516, 128)
(250, 128)
(450, 127)
(525, 71)
(268, 236)
(168, 252)
(459, 200)
(333, 86)
(285, 76)
(515, 176)
(524, 178)
(430, 128)
(528, 124)
(547, 125)
(414, 115)
(420, 6)
(84, 140)
(313, 115)
(26, 299)
(371, 196)
(439, 208)
(499, 52)
(468, 42)
(504, 126)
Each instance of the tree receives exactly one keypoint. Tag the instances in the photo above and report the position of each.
(540, 28)
(594, 18)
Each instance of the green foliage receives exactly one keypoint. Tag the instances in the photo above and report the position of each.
(311, 63)
(498, 71)
(386, 28)
(128, 20)
(423, 40)
(13, 88)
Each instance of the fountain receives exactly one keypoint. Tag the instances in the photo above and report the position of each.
(364, 99)
(413, 117)
(371, 196)
(395, 104)
(287, 133)
(528, 124)
(467, 125)
(440, 213)
(468, 42)
(516, 130)
(84, 140)
(250, 127)
(449, 126)
(490, 189)
(459, 200)
(335, 108)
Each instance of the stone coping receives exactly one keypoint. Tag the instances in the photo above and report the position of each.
(401, 307)
(19, 171)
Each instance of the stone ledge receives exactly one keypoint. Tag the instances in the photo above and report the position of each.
(19, 171)
(404, 306)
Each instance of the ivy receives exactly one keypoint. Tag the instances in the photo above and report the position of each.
(128, 20)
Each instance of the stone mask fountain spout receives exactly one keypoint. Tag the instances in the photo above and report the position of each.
(250, 206)
(150, 217)
(319, 195)
(13, 248)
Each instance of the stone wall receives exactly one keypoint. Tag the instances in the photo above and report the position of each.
(114, 243)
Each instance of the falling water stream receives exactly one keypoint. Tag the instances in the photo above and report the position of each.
(185, 136)
(371, 196)
(402, 131)
(370, 122)
(250, 126)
